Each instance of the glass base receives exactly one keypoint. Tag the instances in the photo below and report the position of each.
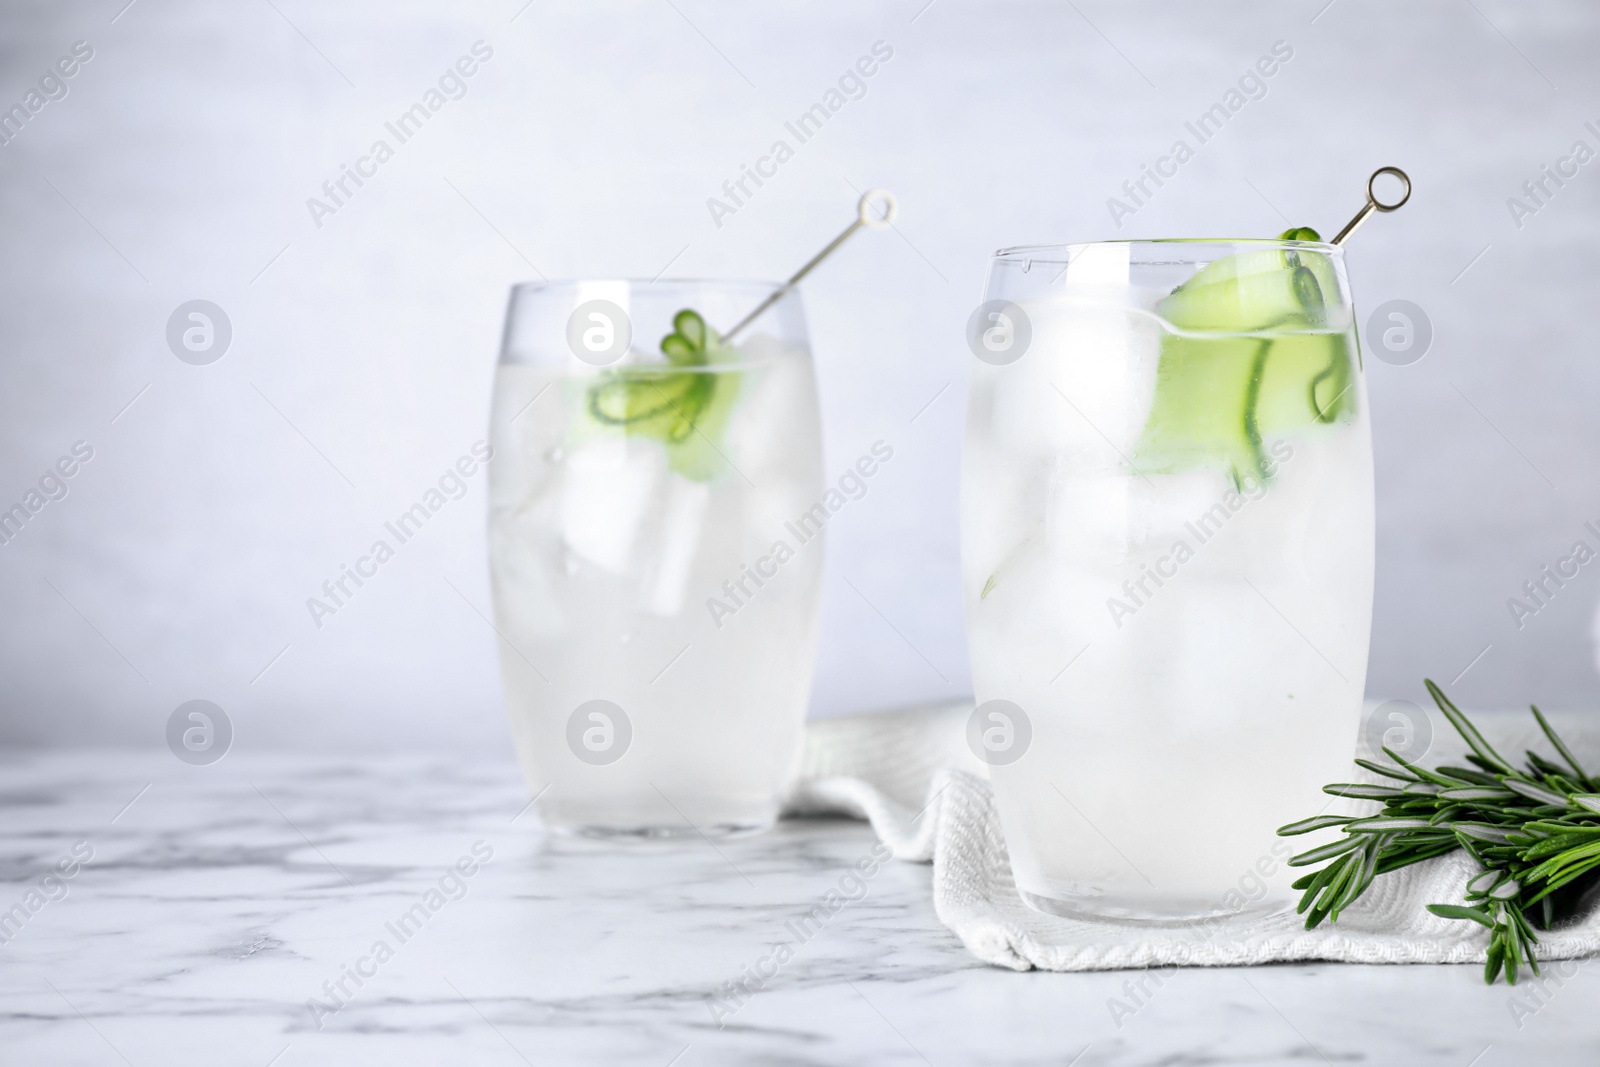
(637, 819)
(620, 832)
(1177, 913)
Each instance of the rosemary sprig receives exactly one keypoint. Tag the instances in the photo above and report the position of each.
(1535, 834)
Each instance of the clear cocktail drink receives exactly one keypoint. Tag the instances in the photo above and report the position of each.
(657, 642)
(1168, 547)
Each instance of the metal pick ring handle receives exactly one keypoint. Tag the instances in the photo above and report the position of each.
(1372, 196)
(872, 218)
(867, 215)
(1373, 203)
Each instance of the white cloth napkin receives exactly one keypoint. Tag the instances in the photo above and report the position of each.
(912, 777)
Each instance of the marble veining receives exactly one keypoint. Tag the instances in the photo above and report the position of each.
(220, 906)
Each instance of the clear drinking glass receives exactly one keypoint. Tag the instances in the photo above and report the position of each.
(1167, 548)
(658, 620)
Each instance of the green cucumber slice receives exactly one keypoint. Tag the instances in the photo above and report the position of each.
(652, 403)
(1252, 356)
(686, 410)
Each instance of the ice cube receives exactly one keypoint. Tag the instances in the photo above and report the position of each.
(1088, 517)
(682, 518)
(775, 394)
(609, 487)
(1085, 384)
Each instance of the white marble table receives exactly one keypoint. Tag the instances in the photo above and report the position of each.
(219, 902)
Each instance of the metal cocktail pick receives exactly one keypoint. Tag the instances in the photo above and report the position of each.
(866, 215)
(1373, 203)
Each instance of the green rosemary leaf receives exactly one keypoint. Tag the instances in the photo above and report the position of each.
(1348, 891)
(1316, 822)
(1363, 876)
(1465, 775)
(1487, 765)
(1564, 785)
(1560, 869)
(1347, 867)
(1510, 935)
(1558, 882)
(1534, 792)
(1480, 831)
(1317, 880)
(1394, 861)
(1387, 772)
(1426, 775)
(1542, 767)
(1485, 882)
(1589, 801)
(1455, 911)
(1491, 966)
(1558, 843)
(1469, 733)
(1527, 934)
(1470, 847)
(1317, 855)
(1361, 791)
(1383, 824)
(1476, 792)
(1558, 744)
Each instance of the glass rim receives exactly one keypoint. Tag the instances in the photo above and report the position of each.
(731, 284)
(1069, 248)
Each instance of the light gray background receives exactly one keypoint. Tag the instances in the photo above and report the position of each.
(179, 165)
